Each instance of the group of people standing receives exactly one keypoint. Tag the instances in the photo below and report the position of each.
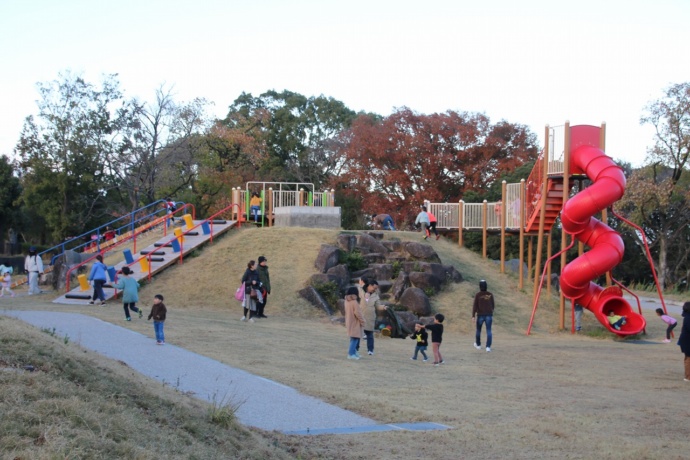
(362, 305)
(257, 287)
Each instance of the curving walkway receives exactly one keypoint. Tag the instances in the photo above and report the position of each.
(279, 407)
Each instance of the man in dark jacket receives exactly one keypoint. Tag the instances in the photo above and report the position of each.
(265, 279)
(483, 311)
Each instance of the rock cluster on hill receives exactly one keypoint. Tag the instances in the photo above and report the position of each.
(407, 273)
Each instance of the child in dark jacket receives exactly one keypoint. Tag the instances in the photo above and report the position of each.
(421, 338)
(158, 313)
(437, 337)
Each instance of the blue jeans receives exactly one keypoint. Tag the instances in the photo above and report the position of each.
(419, 348)
(158, 328)
(354, 343)
(255, 212)
(388, 223)
(480, 321)
(370, 340)
(98, 290)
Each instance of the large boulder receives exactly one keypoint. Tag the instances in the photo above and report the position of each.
(392, 246)
(313, 296)
(424, 281)
(419, 251)
(342, 275)
(382, 271)
(416, 301)
(375, 235)
(368, 244)
(444, 272)
(328, 257)
(346, 242)
(401, 283)
(323, 278)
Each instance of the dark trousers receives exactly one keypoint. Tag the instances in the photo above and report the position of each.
(668, 331)
(132, 306)
(98, 290)
(260, 306)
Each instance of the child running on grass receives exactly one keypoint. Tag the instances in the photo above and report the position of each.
(158, 312)
(6, 284)
(436, 337)
(130, 293)
(421, 338)
(668, 320)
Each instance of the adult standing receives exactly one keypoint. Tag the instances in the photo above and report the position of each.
(370, 304)
(684, 339)
(97, 276)
(483, 311)
(34, 267)
(354, 321)
(383, 221)
(423, 220)
(265, 279)
(252, 282)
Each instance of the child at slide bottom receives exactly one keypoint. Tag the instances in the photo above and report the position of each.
(436, 337)
(668, 320)
(6, 285)
(158, 312)
(421, 338)
(130, 293)
(616, 321)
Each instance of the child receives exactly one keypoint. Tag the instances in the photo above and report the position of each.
(616, 321)
(255, 206)
(6, 284)
(421, 336)
(130, 296)
(436, 337)
(668, 320)
(158, 312)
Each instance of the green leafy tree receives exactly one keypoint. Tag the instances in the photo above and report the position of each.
(63, 152)
(10, 191)
(657, 196)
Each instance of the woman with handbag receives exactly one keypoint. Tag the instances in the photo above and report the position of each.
(252, 291)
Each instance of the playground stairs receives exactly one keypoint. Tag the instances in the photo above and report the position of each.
(163, 256)
(554, 205)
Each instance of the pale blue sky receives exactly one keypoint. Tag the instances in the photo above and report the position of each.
(530, 62)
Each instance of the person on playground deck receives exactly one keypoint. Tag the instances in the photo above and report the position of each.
(255, 206)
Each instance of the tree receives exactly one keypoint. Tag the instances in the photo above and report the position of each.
(396, 162)
(657, 195)
(63, 152)
(10, 191)
(299, 133)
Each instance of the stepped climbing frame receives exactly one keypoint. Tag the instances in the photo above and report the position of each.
(154, 258)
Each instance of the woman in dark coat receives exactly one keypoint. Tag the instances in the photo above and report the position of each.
(684, 339)
(251, 281)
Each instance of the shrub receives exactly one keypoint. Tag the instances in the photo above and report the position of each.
(354, 260)
(329, 291)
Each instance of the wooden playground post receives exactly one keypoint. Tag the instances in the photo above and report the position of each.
(521, 270)
(503, 226)
(301, 197)
(530, 252)
(484, 208)
(549, 243)
(542, 215)
(564, 236)
(461, 211)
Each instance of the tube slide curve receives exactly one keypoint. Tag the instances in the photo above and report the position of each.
(606, 246)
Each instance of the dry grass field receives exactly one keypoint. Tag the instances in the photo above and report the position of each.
(548, 395)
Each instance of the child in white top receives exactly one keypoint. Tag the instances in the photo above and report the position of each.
(6, 284)
(668, 320)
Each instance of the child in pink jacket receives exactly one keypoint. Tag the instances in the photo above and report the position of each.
(668, 320)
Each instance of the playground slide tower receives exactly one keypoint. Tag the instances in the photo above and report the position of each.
(606, 245)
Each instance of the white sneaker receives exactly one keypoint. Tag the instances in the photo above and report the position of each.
(371, 353)
(478, 347)
(488, 348)
(244, 318)
(251, 320)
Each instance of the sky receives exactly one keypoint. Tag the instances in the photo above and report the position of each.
(531, 62)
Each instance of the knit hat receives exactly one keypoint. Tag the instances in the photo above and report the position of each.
(262, 259)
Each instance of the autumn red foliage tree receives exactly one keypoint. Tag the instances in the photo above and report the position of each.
(393, 164)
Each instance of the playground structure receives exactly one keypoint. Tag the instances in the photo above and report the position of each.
(534, 206)
(275, 195)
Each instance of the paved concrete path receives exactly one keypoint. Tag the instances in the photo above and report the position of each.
(263, 403)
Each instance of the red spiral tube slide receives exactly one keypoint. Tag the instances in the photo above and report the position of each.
(606, 246)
